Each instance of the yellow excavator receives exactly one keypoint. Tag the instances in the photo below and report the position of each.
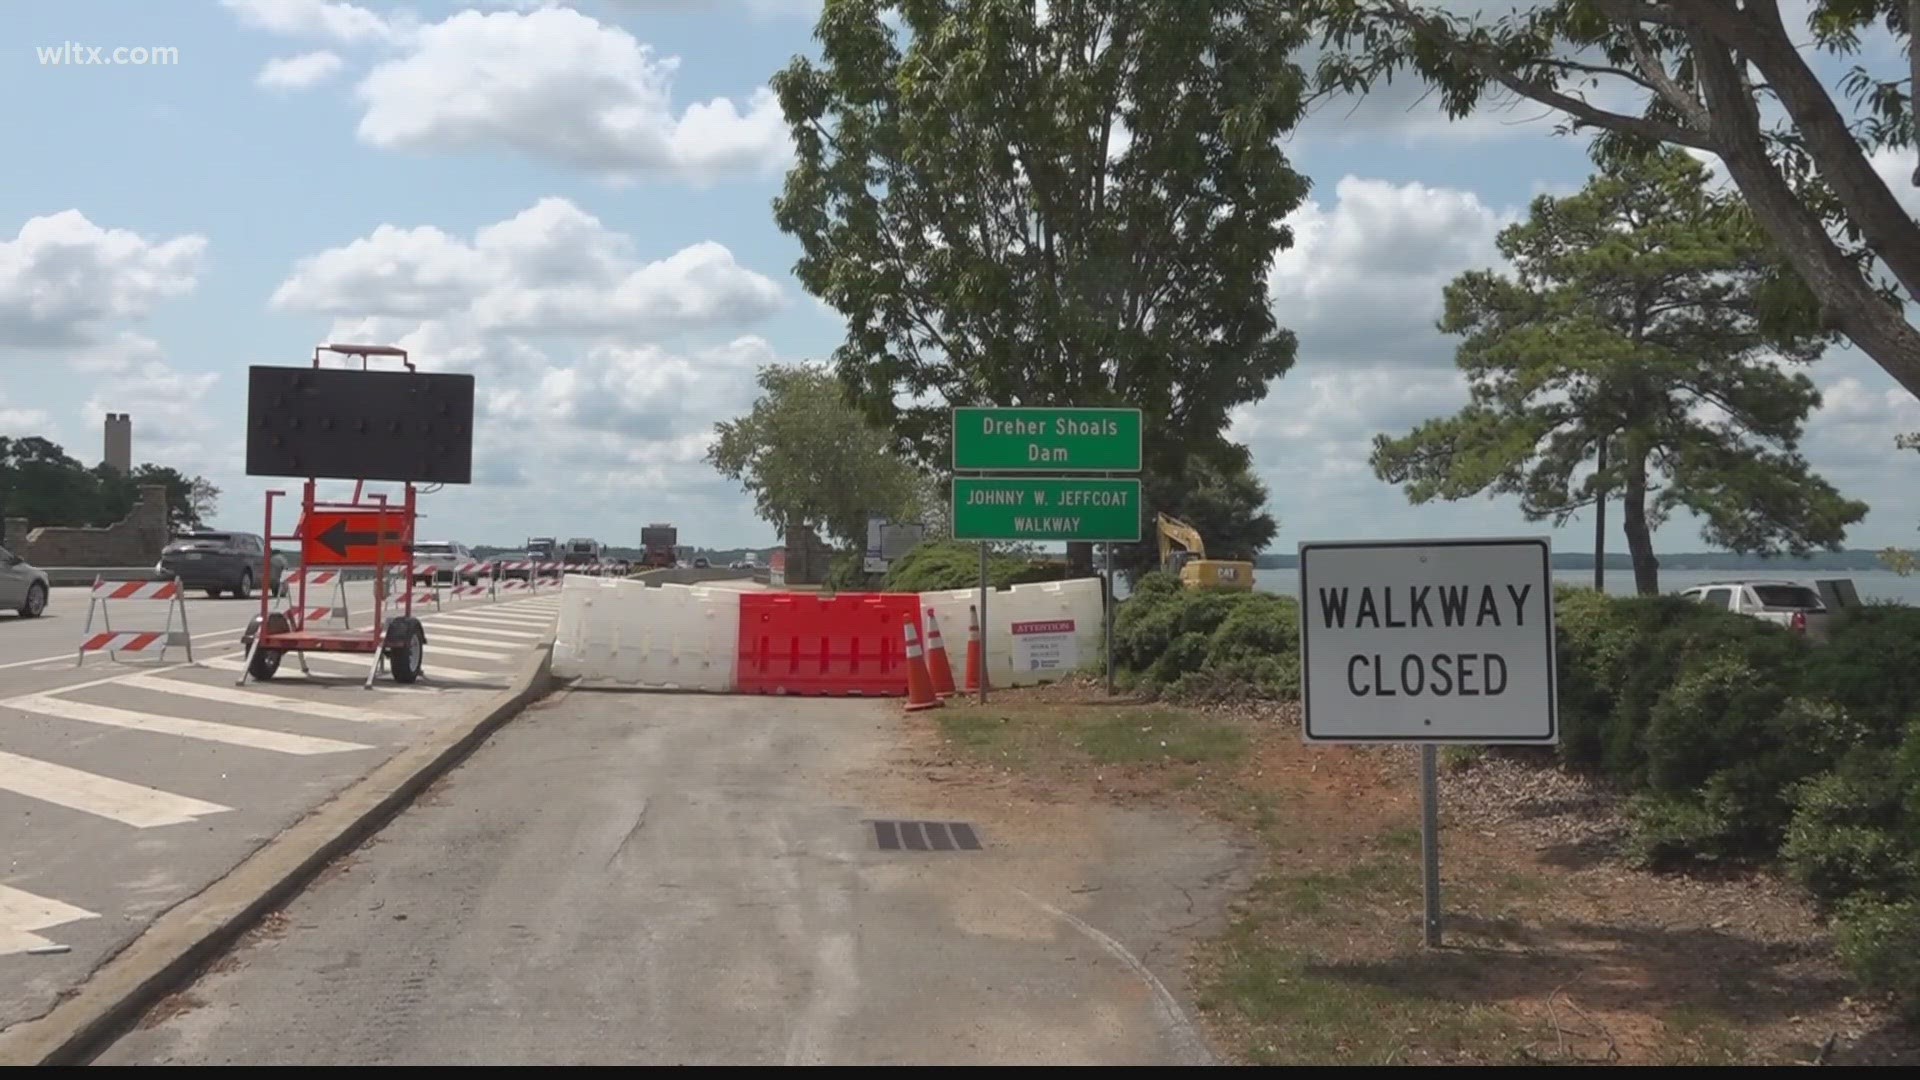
(1195, 569)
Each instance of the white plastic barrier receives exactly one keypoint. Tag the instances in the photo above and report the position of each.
(1061, 626)
(620, 631)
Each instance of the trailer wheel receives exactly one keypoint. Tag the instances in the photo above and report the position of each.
(406, 658)
(266, 662)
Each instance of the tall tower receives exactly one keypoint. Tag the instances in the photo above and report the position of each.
(119, 449)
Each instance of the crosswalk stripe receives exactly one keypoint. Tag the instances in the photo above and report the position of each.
(490, 619)
(21, 913)
(256, 700)
(466, 626)
(102, 796)
(436, 638)
(230, 734)
(434, 648)
(290, 668)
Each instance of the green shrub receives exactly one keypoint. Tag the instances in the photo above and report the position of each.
(1208, 644)
(1844, 839)
(1666, 832)
(1879, 942)
(953, 564)
(1718, 712)
(1871, 667)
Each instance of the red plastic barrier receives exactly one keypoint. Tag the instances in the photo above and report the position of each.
(802, 643)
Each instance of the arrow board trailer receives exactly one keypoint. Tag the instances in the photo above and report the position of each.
(1428, 641)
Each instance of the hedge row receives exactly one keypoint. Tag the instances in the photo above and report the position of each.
(1742, 741)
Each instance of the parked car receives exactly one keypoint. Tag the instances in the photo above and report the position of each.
(499, 565)
(441, 560)
(221, 562)
(23, 586)
(1792, 605)
(700, 562)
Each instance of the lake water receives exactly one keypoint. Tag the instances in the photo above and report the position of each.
(1872, 585)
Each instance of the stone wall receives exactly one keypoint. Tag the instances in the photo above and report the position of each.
(134, 541)
(809, 559)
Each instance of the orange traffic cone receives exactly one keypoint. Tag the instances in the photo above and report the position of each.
(976, 659)
(937, 666)
(919, 685)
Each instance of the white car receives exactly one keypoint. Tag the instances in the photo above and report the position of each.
(23, 586)
(441, 560)
(1790, 604)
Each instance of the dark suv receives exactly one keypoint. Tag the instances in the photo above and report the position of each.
(221, 562)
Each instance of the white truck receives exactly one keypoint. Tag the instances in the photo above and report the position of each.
(1793, 605)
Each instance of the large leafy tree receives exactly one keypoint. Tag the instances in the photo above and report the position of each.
(1729, 77)
(1635, 325)
(809, 457)
(41, 482)
(1025, 204)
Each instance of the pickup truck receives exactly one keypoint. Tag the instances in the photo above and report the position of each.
(1792, 605)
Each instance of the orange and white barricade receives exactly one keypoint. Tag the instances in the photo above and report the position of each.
(399, 587)
(114, 641)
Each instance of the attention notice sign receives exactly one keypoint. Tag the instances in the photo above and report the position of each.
(1428, 641)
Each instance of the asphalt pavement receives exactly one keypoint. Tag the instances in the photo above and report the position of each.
(636, 878)
(129, 784)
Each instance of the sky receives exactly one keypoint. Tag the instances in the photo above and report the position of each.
(571, 201)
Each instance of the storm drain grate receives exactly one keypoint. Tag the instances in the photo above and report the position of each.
(925, 836)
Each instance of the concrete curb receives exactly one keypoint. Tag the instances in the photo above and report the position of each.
(202, 927)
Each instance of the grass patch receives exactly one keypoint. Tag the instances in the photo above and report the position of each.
(1698, 1037)
(1294, 1012)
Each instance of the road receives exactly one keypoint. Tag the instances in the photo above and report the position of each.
(127, 786)
(635, 878)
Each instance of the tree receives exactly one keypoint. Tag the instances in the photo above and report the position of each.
(809, 458)
(42, 483)
(1900, 561)
(1712, 75)
(1075, 207)
(1223, 501)
(1636, 322)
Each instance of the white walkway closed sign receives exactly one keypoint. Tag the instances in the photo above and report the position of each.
(1428, 641)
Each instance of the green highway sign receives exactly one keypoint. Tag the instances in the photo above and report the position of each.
(1032, 508)
(1047, 440)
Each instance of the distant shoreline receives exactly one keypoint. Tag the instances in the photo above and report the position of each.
(1682, 560)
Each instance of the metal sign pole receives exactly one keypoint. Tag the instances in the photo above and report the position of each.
(983, 623)
(1430, 840)
(1106, 608)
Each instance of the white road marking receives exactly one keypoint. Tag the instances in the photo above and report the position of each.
(21, 913)
(290, 668)
(434, 647)
(255, 700)
(230, 734)
(507, 648)
(467, 626)
(102, 796)
(504, 619)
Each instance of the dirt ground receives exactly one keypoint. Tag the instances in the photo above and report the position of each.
(1555, 950)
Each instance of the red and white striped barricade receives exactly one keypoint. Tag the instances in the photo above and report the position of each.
(398, 589)
(313, 613)
(114, 641)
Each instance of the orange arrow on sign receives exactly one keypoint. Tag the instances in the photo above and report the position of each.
(353, 538)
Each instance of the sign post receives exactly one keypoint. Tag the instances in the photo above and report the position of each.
(1076, 509)
(1428, 642)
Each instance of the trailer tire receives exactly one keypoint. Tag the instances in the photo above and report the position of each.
(266, 662)
(406, 658)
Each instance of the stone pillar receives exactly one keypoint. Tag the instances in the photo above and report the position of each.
(150, 523)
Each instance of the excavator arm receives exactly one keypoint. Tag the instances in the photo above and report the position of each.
(1174, 531)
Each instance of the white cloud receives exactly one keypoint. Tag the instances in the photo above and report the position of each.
(20, 420)
(560, 86)
(63, 278)
(172, 423)
(327, 19)
(598, 374)
(550, 268)
(300, 72)
(1363, 279)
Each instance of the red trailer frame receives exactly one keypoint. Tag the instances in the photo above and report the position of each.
(275, 633)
